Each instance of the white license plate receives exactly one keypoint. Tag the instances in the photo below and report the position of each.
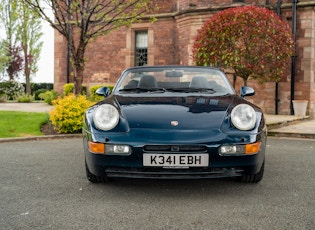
(176, 160)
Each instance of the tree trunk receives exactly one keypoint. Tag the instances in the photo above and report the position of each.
(78, 67)
(245, 79)
(78, 80)
(11, 77)
(27, 71)
(28, 84)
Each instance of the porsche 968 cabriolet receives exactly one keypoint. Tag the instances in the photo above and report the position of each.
(174, 122)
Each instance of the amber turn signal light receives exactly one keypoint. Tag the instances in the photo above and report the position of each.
(98, 148)
(252, 148)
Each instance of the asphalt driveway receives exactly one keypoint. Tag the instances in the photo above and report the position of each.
(43, 186)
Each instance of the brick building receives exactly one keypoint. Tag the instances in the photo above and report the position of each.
(169, 41)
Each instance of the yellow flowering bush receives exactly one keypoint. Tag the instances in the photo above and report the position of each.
(67, 114)
(68, 89)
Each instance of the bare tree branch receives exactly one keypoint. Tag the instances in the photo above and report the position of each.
(81, 21)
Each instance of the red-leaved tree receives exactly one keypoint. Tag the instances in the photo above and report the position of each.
(251, 40)
(15, 64)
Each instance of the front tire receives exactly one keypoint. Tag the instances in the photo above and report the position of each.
(93, 178)
(255, 177)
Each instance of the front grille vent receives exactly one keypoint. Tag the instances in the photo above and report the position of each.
(174, 148)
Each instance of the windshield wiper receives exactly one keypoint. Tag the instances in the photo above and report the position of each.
(191, 90)
(181, 90)
(139, 90)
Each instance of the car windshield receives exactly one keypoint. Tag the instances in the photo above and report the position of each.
(174, 79)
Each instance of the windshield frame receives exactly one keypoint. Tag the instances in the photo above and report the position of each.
(118, 89)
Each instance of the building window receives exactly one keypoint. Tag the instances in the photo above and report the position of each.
(141, 52)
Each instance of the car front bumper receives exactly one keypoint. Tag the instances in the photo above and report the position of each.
(131, 166)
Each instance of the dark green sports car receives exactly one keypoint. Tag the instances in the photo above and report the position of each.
(174, 122)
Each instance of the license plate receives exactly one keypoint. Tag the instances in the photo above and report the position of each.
(176, 160)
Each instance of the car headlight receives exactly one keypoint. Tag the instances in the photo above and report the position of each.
(243, 117)
(106, 117)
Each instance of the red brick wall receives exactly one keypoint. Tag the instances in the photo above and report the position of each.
(106, 58)
(165, 39)
(60, 62)
(166, 6)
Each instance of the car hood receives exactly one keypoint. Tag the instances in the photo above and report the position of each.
(174, 113)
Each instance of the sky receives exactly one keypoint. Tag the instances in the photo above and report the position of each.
(45, 72)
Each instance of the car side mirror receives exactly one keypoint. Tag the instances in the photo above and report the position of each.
(246, 91)
(103, 91)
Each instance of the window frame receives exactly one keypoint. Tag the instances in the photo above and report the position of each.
(137, 61)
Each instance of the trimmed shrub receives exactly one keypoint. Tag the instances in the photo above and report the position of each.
(3, 98)
(38, 92)
(67, 114)
(68, 89)
(11, 89)
(48, 96)
(37, 86)
(253, 41)
(83, 90)
(25, 98)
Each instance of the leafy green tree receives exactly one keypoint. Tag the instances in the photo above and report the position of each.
(4, 58)
(253, 41)
(9, 20)
(29, 35)
(21, 47)
(82, 21)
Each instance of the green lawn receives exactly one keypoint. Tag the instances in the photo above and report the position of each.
(21, 124)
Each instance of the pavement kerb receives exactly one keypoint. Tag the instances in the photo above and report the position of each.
(292, 135)
(278, 121)
(37, 138)
(304, 128)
